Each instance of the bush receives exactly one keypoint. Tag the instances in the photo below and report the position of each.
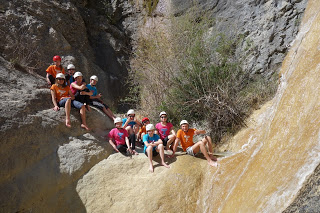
(192, 73)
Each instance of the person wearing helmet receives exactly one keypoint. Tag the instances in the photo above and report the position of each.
(80, 90)
(145, 121)
(165, 130)
(118, 138)
(131, 123)
(185, 137)
(54, 69)
(71, 70)
(95, 98)
(153, 146)
(62, 96)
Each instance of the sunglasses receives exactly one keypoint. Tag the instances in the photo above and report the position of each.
(131, 116)
(60, 79)
(163, 117)
(71, 69)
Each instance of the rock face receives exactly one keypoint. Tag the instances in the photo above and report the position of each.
(85, 33)
(40, 157)
(49, 168)
(267, 27)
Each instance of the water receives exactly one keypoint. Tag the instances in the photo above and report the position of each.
(281, 147)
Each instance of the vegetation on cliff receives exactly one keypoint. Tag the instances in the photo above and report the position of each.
(189, 69)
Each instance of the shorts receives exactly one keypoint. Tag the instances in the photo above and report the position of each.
(74, 103)
(154, 153)
(190, 151)
(165, 141)
(62, 102)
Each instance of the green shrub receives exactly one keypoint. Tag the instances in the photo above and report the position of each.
(192, 73)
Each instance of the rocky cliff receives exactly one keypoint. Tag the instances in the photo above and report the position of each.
(49, 168)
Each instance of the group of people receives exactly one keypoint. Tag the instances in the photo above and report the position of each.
(70, 90)
(158, 138)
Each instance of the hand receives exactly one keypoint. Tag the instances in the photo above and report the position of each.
(56, 108)
(82, 93)
(130, 150)
(99, 95)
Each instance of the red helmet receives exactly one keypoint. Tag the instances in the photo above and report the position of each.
(145, 119)
(56, 58)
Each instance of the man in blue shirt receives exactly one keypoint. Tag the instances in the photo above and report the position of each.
(95, 99)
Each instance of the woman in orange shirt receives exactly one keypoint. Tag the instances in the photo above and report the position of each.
(62, 96)
(54, 69)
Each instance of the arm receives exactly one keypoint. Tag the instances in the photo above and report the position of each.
(173, 132)
(86, 93)
(158, 142)
(54, 101)
(96, 97)
(127, 122)
(113, 145)
(138, 122)
(82, 87)
(47, 78)
(71, 95)
(198, 132)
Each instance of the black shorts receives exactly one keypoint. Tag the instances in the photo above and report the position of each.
(154, 153)
(165, 141)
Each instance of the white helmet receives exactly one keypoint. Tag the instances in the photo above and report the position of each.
(184, 122)
(70, 66)
(149, 127)
(130, 112)
(60, 75)
(94, 77)
(77, 74)
(117, 120)
(162, 113)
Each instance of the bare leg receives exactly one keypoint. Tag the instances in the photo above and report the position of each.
(107, 112)
(87, 107)
(202, 146)
(171, 139)
(149, 152)
(161, 151)
(208, 141)
(83, 117)
(67, 108)
(129, 129)
(110, 112)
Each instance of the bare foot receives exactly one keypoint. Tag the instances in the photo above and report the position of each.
(68, 124)
(151, 168)
(213, 157)
(165, 165)
(213, 163)
(85, 127)
(171, 156)
(135, 152)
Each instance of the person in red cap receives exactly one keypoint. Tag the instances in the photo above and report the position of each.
(54, 69)
(145, 121)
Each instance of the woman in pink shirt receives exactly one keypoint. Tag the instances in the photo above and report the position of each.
(165, 130)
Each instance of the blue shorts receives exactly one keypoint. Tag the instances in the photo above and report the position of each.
(74, 103)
